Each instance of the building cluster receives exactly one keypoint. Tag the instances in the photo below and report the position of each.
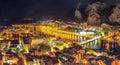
(55, 43)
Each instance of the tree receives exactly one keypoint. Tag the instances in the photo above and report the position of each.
(93, 13)
(115, 16)
(78, 14)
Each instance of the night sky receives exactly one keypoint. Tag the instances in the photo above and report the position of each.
(15, 10)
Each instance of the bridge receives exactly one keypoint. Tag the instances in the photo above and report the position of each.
(94, 43)
(86, 41)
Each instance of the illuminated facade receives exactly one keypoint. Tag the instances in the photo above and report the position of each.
(83, 38)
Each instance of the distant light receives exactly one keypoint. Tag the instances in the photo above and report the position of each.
(1, 38)
(81, 38)
(90, 33)
(5, 20)
(84, 32)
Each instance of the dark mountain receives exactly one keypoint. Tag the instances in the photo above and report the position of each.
(14, 11)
